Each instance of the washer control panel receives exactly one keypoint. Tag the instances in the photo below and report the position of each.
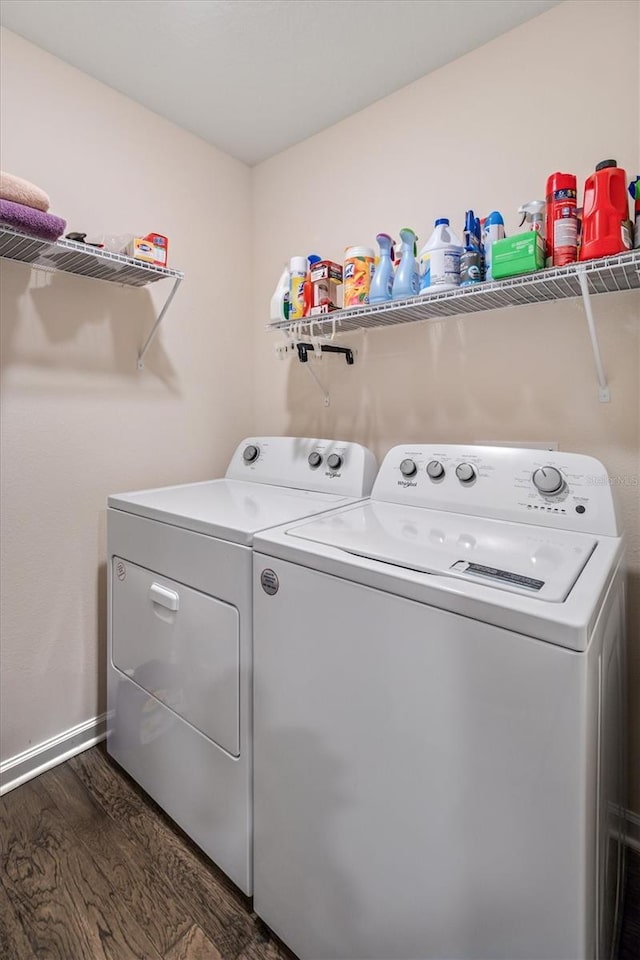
(568, 491)
(344, 468)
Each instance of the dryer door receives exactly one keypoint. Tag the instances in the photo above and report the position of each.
(182, 647)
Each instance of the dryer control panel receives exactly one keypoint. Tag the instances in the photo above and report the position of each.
(329, 466)
(567, 491)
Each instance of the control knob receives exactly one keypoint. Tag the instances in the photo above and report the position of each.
(408, 468)
(334, 461)
(548, 480)
(250, 453)
(314, 459)
(435, 469)
(465, 472)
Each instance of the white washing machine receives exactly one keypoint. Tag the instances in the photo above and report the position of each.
(180, 628)
(438, 714)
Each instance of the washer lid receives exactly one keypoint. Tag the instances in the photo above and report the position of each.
(519, 558)
(230, 509)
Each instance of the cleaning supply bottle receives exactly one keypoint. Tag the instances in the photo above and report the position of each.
(280, 299)
(470, 261)
(562, 220)
(493, 230)
(358, 270)
(298, 268)
(440, 259)
(307, 294)
(532, 214)
(634, 190)
(605, 227)
(382, 283)
(407, 279)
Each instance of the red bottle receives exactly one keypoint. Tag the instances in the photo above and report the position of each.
(562, 220)
(605, 227)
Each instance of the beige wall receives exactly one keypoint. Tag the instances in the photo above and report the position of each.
(470, 134)
(78, 420)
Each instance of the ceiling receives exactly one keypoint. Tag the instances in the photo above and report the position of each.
(256, 76)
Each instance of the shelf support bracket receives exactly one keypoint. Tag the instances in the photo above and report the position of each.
(603, 386)
(326, 399)
(159, 320)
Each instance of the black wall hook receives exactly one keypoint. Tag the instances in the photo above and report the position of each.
(304, 349)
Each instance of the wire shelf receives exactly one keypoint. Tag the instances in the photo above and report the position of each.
(608, 275)
(69, 256)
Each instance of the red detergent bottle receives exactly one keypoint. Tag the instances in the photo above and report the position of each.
(605, 218)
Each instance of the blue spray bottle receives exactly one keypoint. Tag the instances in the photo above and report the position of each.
(382, 283)
(470, 261)
(407, 281)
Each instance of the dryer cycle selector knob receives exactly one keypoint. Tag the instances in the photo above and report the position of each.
(250, 453)
(334, 461)
(435, 469)
(408, 468)
(465, 472)
(548, 480)
(314, 459)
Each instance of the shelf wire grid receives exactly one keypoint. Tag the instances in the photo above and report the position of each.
(608, 275)
(69, 256)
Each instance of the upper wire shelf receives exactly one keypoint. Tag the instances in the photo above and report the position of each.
(69, 256)
(608, 275)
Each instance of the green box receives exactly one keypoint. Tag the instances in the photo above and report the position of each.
(523, 253)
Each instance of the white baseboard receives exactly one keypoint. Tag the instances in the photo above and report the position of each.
(31, 763)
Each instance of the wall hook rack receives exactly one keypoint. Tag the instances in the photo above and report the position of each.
(304, 349)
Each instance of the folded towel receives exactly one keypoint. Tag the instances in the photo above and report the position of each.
(45, 226)
(21, 191)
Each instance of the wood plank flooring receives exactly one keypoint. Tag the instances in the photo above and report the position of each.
(90, 868)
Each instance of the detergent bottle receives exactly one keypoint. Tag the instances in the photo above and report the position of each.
(605, 228)
(382, 283)
(280, 299)
(440, 259)
(407, 279)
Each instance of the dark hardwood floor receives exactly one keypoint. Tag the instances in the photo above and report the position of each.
(90, 868)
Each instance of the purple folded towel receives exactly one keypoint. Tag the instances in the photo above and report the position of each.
(45, 226)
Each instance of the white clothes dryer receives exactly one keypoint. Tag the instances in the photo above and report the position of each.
(180, 628)
(438, 713)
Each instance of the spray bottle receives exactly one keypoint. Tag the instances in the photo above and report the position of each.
(532, 214)
(471, 259)
(493, 230)
(382, 282)
(280, 299)
(407, 280)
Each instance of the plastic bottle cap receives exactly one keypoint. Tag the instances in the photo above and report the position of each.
(313, 258)
(359, 252)
(604, 164)
(443, 221)
(299, 265)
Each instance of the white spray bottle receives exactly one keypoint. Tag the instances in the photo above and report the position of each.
(533, 214)
(280, 300)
